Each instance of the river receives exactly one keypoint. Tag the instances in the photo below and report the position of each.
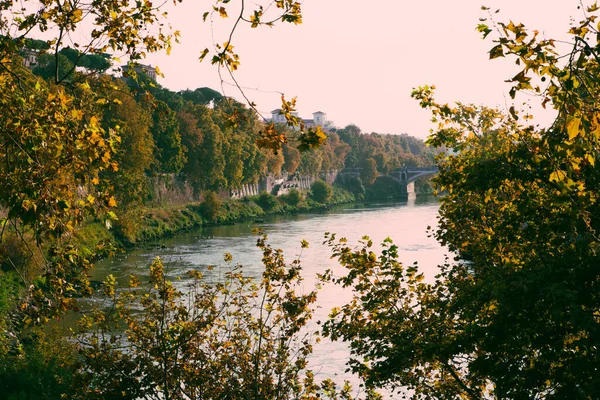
(405, 223)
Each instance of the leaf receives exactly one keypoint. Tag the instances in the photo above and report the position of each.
(558, 176)
(203, 54)
(590, 159)
(496, 52)
(483, 28)
(573, 127)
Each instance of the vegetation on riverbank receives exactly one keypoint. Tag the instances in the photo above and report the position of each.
(160, 222)
(165, 221)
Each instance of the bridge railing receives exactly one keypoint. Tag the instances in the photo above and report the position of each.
(422, 169)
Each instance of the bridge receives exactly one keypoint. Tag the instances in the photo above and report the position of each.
(403, 177)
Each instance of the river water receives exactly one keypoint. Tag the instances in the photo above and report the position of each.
(405, 223)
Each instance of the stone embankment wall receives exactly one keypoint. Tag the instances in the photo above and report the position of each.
(303, 182)
(249, 189)
(171, 189)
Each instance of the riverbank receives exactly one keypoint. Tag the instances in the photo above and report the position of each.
(165, 221)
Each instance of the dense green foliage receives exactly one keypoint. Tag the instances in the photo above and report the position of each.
(390, 152)
(516, 315)
(293, 197)
(321, 191)
(266, 201)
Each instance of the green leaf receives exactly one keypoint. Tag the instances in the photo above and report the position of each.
(483, 28)
(496, 52)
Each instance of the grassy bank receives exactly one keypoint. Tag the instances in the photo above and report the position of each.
(158, 222)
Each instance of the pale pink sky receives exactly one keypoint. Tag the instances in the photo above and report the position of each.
(358, 61)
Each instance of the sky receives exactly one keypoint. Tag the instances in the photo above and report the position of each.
(358, 61)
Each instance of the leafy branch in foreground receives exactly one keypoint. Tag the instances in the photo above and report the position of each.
(517, 314)
(233, 338)
(400, 328)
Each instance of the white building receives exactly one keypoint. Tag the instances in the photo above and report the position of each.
(148, 70)
(279, 118)
(319, 118)
(30, 57)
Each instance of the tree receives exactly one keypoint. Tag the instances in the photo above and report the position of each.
(369, 172)
(134, 153)
(210, 209)
(201, 96)
(267, 201)
(292, 159)
(191, 139)
(212, 160)
(167, 139)
(321, 191)
(99, 63)
(49, 66)
(519, 319)
(293, 197)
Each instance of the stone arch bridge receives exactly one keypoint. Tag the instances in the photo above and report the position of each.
(404, 177)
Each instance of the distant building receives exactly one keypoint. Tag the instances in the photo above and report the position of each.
(319, 118)
(147, 70)
(30, 57)
(279, 118)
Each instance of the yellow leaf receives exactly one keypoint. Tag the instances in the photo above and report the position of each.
(590, 159)
(77, 14)
(112, 202)
(573, 126)
(558, 176)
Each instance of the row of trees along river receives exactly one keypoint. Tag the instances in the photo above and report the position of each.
(214, 144)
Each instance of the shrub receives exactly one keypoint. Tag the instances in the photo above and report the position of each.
(293, 197)
(266, 201)
(210, 209)
(354, 185)
(321, 191)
